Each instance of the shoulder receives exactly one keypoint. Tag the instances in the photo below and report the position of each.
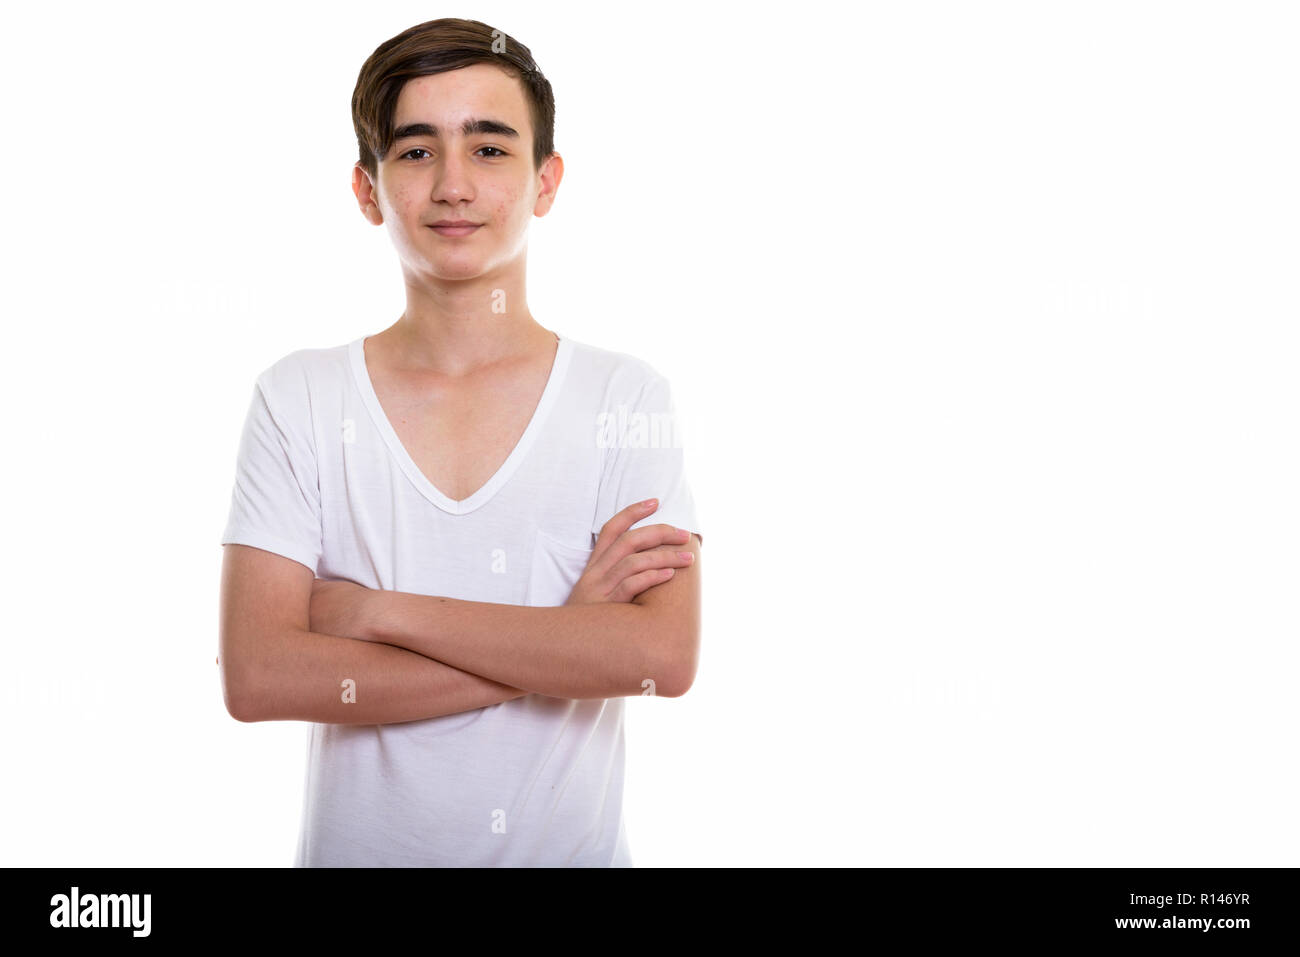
(614, 373)
(304, 371)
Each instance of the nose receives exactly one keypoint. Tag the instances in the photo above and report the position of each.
(452, 178)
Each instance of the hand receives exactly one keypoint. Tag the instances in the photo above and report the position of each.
(337, 608)
(625, 563)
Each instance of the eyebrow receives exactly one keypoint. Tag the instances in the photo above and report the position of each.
(469, 128)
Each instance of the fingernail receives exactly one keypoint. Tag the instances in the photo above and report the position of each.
(649, 502)
(689, 556)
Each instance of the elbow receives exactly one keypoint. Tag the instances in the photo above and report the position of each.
(678, 687)
(241, 711)
(679, 668)
(240, 704)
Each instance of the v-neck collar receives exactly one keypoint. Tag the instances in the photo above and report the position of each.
(361, 376)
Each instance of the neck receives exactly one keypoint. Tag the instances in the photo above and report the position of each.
(455, 331)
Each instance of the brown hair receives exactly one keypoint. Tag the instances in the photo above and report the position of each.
(436, 47)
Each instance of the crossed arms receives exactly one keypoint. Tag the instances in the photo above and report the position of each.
(410, 657)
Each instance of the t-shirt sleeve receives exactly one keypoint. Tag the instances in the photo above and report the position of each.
(644, 457)
(275, 504)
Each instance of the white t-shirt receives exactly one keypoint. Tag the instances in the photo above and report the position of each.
(323, 479)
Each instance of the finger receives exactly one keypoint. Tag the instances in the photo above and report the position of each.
(669, 556)
(638, 540)
(648, 536)
(629, 588)
(620, 523)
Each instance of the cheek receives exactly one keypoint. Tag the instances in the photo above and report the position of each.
(507, 206)
(400, 199)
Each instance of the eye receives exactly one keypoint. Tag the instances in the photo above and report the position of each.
(500, 152)
(416, 150)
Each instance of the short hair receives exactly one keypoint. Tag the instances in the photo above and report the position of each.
(436, 47)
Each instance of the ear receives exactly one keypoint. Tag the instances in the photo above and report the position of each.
(364, 189)
(551, 173)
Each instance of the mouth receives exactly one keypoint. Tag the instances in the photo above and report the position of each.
(457, 227)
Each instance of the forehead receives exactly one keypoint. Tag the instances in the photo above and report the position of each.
(444, 99)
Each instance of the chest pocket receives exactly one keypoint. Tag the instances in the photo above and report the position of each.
(556, 568)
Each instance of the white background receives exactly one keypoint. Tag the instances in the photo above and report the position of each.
(982, 320)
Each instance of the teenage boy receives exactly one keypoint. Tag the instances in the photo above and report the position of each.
(440, 550)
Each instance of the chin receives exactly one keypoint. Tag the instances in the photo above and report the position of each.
(456, 270)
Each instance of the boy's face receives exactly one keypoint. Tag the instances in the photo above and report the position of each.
(436, 171)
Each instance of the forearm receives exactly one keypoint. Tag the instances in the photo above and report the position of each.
(599, 650)
(303, 675)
